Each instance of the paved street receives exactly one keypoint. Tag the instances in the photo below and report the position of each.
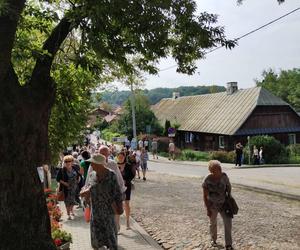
(171, 209)
(284, 180)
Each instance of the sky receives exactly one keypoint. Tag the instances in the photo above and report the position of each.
(276, 46)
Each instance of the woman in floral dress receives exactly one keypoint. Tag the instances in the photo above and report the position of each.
(106, 201)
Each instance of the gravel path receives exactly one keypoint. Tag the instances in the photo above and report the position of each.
(171, 209)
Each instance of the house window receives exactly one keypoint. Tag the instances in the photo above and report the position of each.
(292, 138)
(221, 142)
(188, 137)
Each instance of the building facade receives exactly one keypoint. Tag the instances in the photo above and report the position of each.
(218, 121)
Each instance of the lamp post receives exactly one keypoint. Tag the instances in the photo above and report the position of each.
(249, 156)
(132, 99)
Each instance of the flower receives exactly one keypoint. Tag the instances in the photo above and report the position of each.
(57, 242)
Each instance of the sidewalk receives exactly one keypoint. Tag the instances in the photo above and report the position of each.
(282, 180)
(134, 239)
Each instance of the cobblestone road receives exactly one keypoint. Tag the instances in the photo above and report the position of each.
(170, 208)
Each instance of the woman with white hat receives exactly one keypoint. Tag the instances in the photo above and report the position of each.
(106, 201)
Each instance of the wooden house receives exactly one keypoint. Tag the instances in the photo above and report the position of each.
(218, 121)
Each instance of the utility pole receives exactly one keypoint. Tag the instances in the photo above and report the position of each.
(133, 111)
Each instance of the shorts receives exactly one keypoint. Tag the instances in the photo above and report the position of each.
(154, 151)
(144, 165)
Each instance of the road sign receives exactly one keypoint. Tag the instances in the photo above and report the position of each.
(119, 139)
(171, 132)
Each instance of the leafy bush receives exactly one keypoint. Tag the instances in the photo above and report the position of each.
(294, 149)
(191, 155)
(222, 156)
(107, 135)
(273, 150)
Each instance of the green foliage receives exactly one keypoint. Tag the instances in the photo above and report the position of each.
(223, 156)
(191, 155)
(155, 95)
(143, 115)
(107, 135)
(61, 235)
(273, 150)
(284, 85)
(69, 114)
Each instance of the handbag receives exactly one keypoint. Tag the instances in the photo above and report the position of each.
(230, 206)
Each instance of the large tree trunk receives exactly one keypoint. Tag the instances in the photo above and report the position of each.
(24, 116)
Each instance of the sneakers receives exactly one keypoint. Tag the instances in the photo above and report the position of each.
(229, 247)
(144, 178)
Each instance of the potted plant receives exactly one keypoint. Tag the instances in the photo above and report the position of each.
(62, 239)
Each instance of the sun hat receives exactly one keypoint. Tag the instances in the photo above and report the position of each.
(98, 159)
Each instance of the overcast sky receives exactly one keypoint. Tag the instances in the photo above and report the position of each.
(276, 46)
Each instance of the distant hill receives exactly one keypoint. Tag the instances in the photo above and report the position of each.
(155, 95)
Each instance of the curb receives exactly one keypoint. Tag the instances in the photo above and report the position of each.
(268, 191)
(141, 231)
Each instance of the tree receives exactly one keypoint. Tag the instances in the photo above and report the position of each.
(144, 117)
(285, 85)
(105, 34)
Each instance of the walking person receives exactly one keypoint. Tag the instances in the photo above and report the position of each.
(106, 201)
(68, 179)
(215, 188)
(238, 154)
(144, 159)
(112, 165)
(128, 169)
(154, 147)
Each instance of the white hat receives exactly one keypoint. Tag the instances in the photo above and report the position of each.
(98, 159)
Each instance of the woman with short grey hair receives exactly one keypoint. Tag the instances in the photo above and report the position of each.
(216, 186)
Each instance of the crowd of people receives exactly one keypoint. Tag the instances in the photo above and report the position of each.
(100, 178)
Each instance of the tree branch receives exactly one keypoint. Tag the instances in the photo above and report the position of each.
(9, 17)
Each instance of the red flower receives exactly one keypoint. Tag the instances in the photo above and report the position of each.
(57, 242)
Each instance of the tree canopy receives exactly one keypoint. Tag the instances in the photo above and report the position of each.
(285, 84)
(144, 117)
(52, 54)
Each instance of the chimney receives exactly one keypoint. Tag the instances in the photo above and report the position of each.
(232, 87)
(176, 95)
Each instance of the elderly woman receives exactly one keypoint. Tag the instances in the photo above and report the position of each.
(68, 179)
(106, 201)
(215, 188)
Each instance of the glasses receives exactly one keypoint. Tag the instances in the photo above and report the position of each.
(67, 161)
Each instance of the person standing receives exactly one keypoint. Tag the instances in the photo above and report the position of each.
(171, 150)
(261, 156)
(154, 147)
(238, 154)
(146, 144)
(255, 155)
(106, 201)
(84, 164)
(216, 186)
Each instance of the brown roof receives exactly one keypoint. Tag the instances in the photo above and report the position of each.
(214, 113)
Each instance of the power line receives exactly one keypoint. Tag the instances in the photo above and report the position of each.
(247, 34)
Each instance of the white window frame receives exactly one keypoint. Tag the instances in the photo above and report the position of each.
(221, 141)
(292, 139)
